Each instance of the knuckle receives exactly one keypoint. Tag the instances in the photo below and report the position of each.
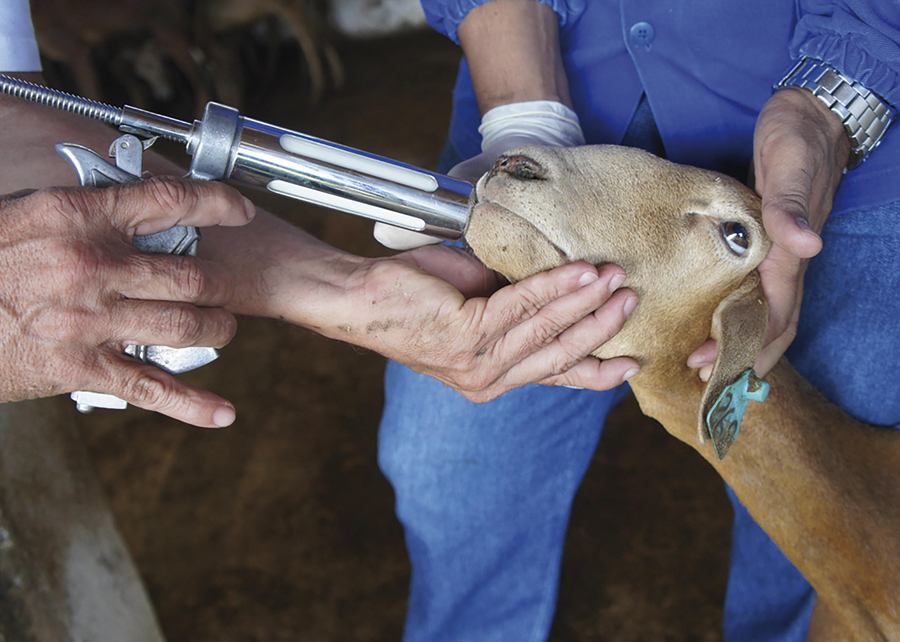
(471, 380)
(545, 329)
(480, 396)
(171, 193)
(187, 325)
(72, 326)
(69, 279)
(795, 202)
(192, 280)
(146, 388)
(58, 326)
(382, 280)
(76, 265)
(564, 359)
(55, 205)
(528, 301)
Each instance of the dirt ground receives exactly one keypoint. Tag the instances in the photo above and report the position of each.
(281, 527)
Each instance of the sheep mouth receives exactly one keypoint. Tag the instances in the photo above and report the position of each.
(511, 244)
(563, 255)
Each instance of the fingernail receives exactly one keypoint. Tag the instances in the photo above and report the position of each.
(249, 208)
(630, 373)
(616, 282)
(224, 416)
(587, 277)
(804, 225)
(629, 305)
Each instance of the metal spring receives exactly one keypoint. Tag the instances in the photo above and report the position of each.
(61, 100)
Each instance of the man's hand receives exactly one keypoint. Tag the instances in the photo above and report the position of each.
(799, 153)
(427, 309)
(76, 292)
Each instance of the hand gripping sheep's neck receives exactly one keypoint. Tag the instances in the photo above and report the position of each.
(825, 487)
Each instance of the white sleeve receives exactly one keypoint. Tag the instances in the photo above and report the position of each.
(18, 48)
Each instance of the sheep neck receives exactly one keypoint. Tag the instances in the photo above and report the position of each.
(806, 472)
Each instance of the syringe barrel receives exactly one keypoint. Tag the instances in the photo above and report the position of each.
(226, 145)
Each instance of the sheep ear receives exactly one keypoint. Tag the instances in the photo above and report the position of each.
(739, 328)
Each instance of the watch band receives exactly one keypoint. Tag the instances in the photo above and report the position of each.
(866, 117)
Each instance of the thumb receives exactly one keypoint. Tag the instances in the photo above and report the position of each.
(785, 208)
(397, 238)
(790, 232)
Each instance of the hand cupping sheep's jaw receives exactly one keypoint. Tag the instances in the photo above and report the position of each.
(686, 237)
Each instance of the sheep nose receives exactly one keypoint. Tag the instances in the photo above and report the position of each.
(518, 166)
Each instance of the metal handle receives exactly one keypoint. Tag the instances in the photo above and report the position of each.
(95, 171)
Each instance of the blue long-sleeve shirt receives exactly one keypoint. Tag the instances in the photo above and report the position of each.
(707, 68)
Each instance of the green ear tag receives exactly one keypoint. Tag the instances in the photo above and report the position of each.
(724, 418)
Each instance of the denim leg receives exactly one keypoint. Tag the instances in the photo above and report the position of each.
(767, 599)
(484, 493)
(848, 346)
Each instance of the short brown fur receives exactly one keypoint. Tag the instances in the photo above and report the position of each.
(824, 486)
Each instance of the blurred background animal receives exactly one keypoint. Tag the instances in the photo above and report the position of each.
(179, 54)
(100, 49)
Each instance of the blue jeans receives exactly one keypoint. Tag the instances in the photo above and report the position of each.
(484, 491)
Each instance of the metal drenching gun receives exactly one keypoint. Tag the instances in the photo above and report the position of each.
(227, 146)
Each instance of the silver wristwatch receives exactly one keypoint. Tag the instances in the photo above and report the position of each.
(865, 115)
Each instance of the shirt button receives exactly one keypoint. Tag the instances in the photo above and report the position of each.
(642, 34)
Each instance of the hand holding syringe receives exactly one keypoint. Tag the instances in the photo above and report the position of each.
(227, 146)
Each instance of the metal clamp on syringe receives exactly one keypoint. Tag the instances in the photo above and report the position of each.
(225, 145)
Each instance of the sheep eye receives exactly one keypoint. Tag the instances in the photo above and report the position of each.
(736, 236)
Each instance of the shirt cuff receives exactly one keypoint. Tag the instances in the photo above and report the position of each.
(446, 17)
(864, 53)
